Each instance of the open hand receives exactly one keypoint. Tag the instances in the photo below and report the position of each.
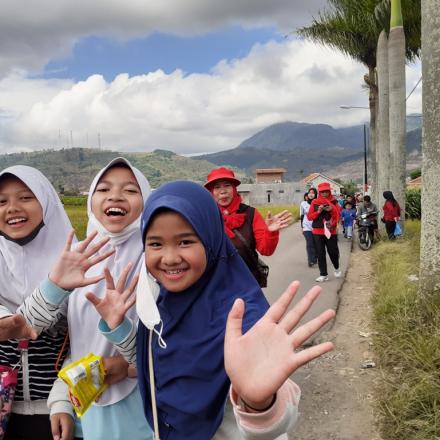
(15, 327)
(117, 300)
(69, 271)
(279, 221)
(261, 360)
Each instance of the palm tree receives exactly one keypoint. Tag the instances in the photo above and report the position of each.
(352, 27)
(397, 114)
(430, 237)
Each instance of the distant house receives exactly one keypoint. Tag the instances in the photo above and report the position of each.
(415, 183)
(314, 179)
(270, 190)
(270, 175)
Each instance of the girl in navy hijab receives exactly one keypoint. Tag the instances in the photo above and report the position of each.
(206, 299)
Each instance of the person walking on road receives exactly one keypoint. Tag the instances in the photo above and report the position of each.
(244, 225)
(348, 217)
(391, 214)
(325, 213)
(306, 226)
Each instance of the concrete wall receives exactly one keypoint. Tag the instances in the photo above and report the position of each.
(272, 193)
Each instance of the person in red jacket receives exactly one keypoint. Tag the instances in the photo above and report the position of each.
(325, 214)
(391, 214)
(244, 225)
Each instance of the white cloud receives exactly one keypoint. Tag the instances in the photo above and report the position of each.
(33, 32)
(293, 80)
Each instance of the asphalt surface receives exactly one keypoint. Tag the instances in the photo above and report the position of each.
(289, 263)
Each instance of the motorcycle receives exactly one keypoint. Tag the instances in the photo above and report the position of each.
(366, 226)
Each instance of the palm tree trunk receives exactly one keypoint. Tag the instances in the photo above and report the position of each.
(372, 159)
(430, 237)
(383, 120)
(396, 58)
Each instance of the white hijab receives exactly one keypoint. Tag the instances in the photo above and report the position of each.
(82, 316)
(22, 268)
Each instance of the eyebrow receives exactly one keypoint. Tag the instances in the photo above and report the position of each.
(22, 191)
(129, 182)
(183, 235)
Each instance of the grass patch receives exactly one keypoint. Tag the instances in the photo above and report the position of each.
(76, 208)
(293, 209)
(407, 343)
(78, 218)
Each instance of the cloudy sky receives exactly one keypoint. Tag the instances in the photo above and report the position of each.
(190, 76)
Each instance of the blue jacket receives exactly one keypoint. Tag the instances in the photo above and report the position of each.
(348, 217)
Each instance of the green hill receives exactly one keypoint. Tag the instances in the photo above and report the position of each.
(71, 170)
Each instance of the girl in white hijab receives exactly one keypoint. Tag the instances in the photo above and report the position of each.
(33, 230)
(116, 198)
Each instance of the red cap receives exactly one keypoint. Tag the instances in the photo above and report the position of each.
(221, 173)
(324, 186)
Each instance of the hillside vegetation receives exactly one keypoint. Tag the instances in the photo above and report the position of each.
(71, 170)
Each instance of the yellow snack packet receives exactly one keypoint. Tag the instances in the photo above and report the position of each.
(85, 379)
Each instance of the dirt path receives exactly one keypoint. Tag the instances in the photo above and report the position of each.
(336, 391)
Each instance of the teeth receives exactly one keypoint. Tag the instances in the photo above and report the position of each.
(174, 272)
(116, 211)
(13, 221)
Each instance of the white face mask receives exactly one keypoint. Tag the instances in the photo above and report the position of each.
(147, 292)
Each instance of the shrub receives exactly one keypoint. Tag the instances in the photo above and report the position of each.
(413, 205)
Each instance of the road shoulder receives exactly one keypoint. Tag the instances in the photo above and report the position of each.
(337, 397)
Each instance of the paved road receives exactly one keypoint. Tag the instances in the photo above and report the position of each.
(289, 263)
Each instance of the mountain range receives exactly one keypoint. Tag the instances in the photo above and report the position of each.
(298, 147)
(302, 148)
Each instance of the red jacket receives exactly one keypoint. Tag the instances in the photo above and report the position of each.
(390, 212)
(266, 241)
(318, 217)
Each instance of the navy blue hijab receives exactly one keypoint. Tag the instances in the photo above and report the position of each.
(191, 381)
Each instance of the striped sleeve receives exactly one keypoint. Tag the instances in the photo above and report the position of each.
(122, 337)
(43, 307)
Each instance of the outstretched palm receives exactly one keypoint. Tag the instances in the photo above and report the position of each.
(70, 269)
(117, 299)
(261, 360)
(278, 221)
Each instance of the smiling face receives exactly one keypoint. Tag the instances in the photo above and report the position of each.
(117, 201)
(174, 254)
(223, 192)
(20, 211)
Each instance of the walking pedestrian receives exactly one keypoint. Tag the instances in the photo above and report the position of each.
(244, 225)
(348, 217)
(391, 213)
(306, 226)
(325, 213)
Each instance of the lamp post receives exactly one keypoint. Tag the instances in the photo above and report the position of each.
(365, 183)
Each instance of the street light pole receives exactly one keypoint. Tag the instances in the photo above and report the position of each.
(365, 180)
(365, 161)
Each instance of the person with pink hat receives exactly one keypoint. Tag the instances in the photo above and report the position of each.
(324, 212)
(244, 225)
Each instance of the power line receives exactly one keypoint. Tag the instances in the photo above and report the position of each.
(410, 93)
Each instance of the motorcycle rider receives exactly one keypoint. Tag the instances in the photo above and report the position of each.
(369, 208)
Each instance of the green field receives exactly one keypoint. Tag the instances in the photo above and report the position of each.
(77, 211)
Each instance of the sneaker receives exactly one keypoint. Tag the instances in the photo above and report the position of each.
(322, 278)
(338, 273)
